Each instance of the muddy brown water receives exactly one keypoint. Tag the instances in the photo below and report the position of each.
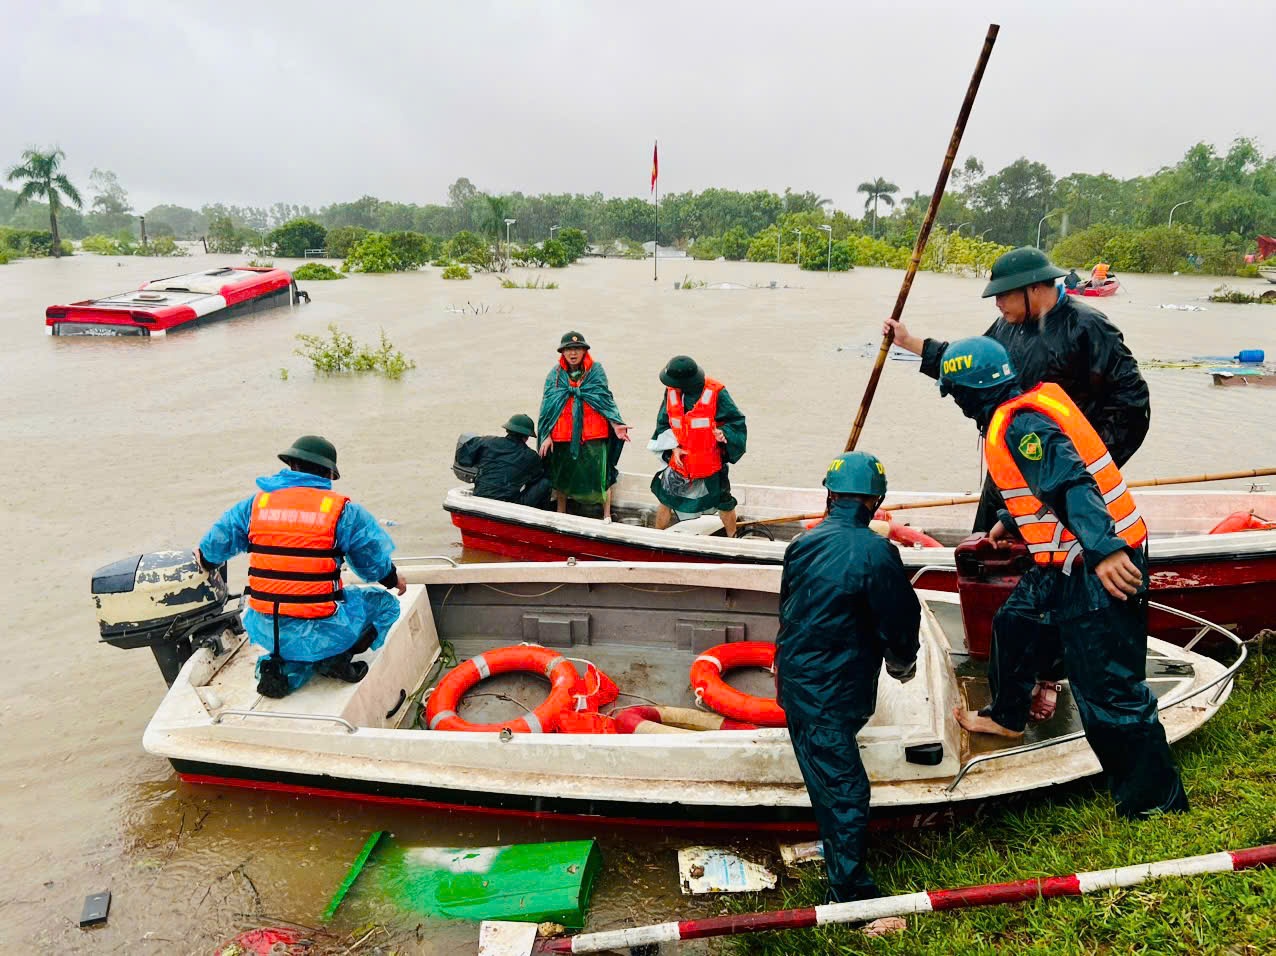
(114, 447)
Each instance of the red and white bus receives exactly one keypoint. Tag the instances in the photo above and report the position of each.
(180, 302)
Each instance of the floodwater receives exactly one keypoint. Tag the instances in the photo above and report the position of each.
(114, 447)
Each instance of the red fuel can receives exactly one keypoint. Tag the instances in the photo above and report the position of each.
(985, 577)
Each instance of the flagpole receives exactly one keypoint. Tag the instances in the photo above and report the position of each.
(655, 188)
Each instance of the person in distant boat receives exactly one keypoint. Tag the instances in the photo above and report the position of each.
(297, 532)
(1099, 275)
(1053, 337)
(581, 428)
(1071, 280)
(846, 606)
(1063, 496)
(699, 432)
(508, 470)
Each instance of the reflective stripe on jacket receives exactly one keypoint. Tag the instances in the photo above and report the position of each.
(694, 428)
(293, 561)
(1049, 542)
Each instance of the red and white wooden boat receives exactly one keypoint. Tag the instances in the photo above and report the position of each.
(1104, 289)
(1229, 578)
(178, 302)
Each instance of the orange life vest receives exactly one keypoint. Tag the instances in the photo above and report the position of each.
(1100, 273)
(694, 428)
(293, 562)
(595, 426)
(1049, 542)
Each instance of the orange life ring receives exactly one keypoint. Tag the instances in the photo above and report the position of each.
(1243, 521)
(440, 712)
(721, 697)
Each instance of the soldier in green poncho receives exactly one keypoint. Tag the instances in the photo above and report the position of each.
(700, 431)
(582, 427)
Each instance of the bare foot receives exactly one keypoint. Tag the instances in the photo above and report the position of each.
(885, 926)
(1045, 698)
(977, 723)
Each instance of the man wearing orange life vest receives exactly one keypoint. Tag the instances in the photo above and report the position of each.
(1064, 497)
(297, 532)
(699, 432)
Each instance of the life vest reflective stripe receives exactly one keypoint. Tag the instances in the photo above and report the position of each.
(694, 428)
(594, 426)
(1049, 542)
(293, 561)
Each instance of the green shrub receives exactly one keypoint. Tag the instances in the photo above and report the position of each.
(456, 271)
(574, 241)
(163, 246)
(26, 242)
(536, 283)
(6, 256)
(705, 248)
(472, 250)
(343, 239)
(316, 271)
(373, 254)
(554, 254)
(105, 246)
(734, 243)
(294, 237)
(413, 250)
(340, 354)
(1224, 294)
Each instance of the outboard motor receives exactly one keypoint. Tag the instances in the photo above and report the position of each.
(464, 472)
(164, 601)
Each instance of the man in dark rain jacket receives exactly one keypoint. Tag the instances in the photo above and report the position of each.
(846, 605)
(1064, 497)
(1054, 337)
(507, 469)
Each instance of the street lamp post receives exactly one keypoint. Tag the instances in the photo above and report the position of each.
(799, 258)
(1176, 206)
(828, 264)
(508, 223)
(1040, 224)
(551, 230)
(959, 225)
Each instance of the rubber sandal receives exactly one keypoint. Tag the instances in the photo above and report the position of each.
(1041, 711)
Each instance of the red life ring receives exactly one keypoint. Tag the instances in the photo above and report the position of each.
(440, 712)
(1243, 521)
(721, 697)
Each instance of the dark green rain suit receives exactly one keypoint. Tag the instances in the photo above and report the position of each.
(1104, 639)
(845, 606)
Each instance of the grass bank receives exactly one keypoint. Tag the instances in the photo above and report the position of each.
(1229, 768)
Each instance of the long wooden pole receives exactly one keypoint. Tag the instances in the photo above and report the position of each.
(972, 499)
(919, 247)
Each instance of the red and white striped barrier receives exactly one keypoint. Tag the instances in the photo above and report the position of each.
(1020, 891)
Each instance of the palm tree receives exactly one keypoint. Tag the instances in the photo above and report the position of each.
(879, 190)
(42, 178)
(494, 219)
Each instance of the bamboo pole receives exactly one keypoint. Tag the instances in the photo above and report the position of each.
(931, 211)
(913, 904)
(972, 499)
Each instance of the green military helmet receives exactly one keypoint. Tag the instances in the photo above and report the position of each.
(1020, 268)
(313, 449)
(856, 473)
(572, 340)
(682, 372)
(521, 425)
(975, 362)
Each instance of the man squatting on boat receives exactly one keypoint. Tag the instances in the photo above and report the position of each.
(297, 531)
(506, 468)
(1051, 336)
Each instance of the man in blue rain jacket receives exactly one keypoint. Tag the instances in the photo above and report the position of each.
(297, 532)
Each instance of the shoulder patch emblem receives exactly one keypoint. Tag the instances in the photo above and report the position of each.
(1030, 446)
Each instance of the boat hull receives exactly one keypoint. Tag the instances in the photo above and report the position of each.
(1228, 578)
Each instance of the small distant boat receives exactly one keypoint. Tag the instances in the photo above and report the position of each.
(178, 302)
(1109, 287)
(1268, 273)
(1247, 377)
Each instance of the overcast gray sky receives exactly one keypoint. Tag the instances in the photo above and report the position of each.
(191, 101)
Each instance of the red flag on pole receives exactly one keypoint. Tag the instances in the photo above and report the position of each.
(655, 164)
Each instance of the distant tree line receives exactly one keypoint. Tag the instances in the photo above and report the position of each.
(1219, 201)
